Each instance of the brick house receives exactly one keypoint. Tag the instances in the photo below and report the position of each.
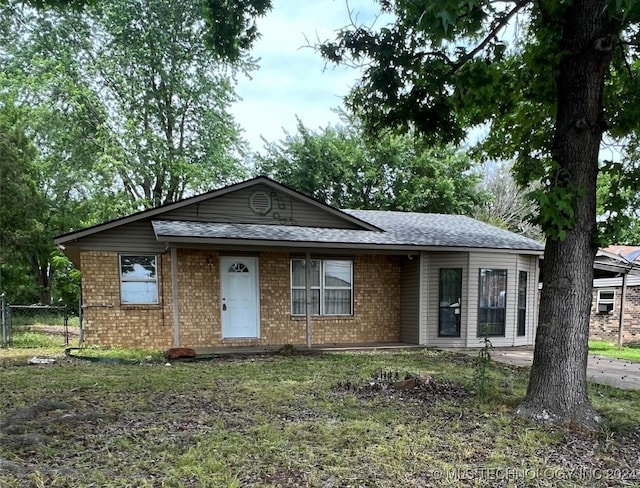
(234, 267)
(615, 308)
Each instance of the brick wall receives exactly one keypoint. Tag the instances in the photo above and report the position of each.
(108, 323)
(376, 305)
(604, 327)
(198, 298)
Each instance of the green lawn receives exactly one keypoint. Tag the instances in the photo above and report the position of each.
(328, 420)
(609, 349)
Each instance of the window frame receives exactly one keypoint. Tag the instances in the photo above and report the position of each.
(322, 287)
(606, 301)
(303, 287)
(482, 273)
(457, 310)
(155, 280)
(523, 287)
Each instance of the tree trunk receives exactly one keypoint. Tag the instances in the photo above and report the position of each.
(557, 389)
(41, 274)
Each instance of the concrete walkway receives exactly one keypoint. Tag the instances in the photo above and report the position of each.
(600, 369)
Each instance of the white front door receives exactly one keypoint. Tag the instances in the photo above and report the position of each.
(239, 287)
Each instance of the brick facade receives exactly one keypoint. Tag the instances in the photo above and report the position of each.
(108, 323)
(376, 317)
(604, 327)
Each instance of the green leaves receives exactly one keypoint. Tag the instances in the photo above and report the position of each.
(124, 107)
(128, 96)
(340, 166)
(230, 26)
(557, 200)
(414, 66)
(20, 198)
(618, 200)
(447, 20)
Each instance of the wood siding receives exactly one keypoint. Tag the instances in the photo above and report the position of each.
(471, 263)
(132, 238)
(512, 263)
(282, 209)
(410, 300)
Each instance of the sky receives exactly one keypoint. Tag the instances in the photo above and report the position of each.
(293, 80)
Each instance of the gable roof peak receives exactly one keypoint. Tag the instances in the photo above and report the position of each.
(211, 194)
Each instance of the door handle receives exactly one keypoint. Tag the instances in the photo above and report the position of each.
(224, 307)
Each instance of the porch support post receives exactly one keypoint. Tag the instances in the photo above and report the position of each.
(307, 269)
(623, 299)
(174, 297)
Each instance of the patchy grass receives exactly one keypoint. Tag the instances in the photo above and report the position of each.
(28, 339)
(46, 336)
(36, 317)
(118, 353)
(331, 420)
(39, 340)
(630, 352)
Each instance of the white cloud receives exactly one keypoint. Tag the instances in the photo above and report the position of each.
(293, 79)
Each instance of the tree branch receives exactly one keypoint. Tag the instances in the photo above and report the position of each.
(492, 35)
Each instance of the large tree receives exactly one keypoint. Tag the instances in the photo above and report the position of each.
(160, 96)
(125, 105)
(20, 201)
(341, 167)
(508, 205)
(536, 72)
(38, 200)
(230, 24)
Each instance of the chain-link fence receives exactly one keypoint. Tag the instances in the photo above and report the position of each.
(37, 325)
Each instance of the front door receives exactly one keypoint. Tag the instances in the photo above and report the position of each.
(239, 287)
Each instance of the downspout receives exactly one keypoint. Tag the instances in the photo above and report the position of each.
(307, 269)
(174, 297)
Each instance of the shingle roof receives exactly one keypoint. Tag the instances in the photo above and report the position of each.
(445, 230)
(400, 230)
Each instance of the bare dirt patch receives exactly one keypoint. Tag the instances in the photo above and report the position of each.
(29, 429)
(405, 386)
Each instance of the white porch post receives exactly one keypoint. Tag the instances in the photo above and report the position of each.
(307, 269)
(174, 296)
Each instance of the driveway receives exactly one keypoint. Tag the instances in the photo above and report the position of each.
(615, 372)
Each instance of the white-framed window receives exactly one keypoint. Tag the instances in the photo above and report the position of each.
(138, 279)
(606, 301)
(331, 287)
(492, 302)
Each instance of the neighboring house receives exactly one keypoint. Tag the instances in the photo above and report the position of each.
(234, 267)
(615, 309)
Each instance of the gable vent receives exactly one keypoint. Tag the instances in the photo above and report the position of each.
(260, 202)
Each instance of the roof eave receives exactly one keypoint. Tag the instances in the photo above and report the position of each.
(259, 243)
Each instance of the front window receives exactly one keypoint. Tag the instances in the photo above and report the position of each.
(606, 301)
(331, 287)
(492, 302)
(450, 300)
(138, 280)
